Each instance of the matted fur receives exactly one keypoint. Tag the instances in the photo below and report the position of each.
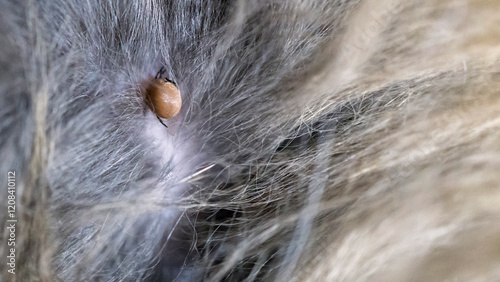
(322, 140)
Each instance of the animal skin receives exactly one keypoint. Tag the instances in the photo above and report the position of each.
(318, 140)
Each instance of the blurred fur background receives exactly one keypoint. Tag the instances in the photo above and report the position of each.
(325, 140)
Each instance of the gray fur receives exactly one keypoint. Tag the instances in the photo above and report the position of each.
(285, 158)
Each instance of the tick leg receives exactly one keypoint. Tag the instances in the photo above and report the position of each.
(161, 121)
(160, 73)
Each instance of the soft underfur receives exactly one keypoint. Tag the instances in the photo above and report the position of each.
(321, 140)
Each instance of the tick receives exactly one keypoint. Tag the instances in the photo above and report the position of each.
(163, 98)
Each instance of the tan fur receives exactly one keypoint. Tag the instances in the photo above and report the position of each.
(431, 211)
